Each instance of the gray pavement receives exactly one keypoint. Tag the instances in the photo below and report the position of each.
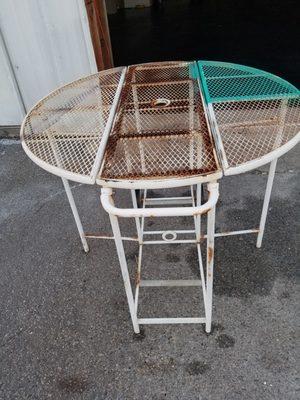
(65, 330)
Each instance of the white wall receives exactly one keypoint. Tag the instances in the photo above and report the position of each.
(48, 43)
(11, 111)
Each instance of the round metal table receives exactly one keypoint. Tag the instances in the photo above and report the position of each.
(159, 125)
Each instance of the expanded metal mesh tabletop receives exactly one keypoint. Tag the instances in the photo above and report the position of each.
(163, 122)
(160, 128)
(62, 133)
(255, 115)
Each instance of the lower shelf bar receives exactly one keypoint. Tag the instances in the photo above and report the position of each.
(135, 239)
(170, 283)
(244, 232)
(168, 242)
(175, 231)
(217, 234)
(106, 237)
(168, 200)
(151, 321)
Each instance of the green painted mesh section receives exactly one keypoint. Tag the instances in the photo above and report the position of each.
(213, 71)
(225, 82)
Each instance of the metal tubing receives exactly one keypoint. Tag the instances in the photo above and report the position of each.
(198, 217)
(209, 266)
(135, 239)
(266, 203)
(158, 183)
(170, 283)
(168, 200)
(197, 221)
(175, 231)
(75, 214)
(169, 242)
(192, 320)
(123, 264)
(105, 237)
(108, 205)
(138, 279)
(137, 219)
(232, 233)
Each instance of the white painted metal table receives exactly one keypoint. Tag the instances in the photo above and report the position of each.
(164, 125)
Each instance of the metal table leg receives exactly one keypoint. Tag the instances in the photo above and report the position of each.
(123, 264)
(266, 203)
(75, 213)
(210, 265)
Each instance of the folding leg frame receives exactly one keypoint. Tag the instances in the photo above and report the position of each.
(177, 201)
(195, 210)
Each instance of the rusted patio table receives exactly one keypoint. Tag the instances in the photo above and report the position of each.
(164, 125)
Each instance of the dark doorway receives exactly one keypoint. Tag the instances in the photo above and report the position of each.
(259, 33)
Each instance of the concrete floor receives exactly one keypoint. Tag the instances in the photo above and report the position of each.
(64, 325)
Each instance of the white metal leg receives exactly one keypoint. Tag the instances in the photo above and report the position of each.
(197, 221)
(122, 259)
(266, 203)
(210, 266)
(137, 219)
(123, 264)
(75, 213)
(198, 217)
(65, 182)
